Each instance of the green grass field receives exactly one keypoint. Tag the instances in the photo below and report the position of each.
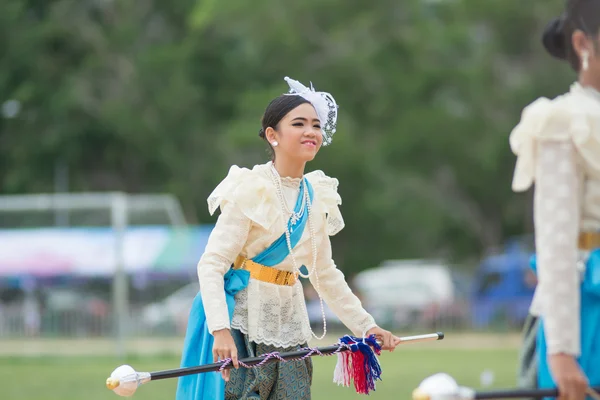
(83, 378)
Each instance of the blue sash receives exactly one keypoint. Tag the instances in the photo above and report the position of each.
(198, 343)
(590, 327)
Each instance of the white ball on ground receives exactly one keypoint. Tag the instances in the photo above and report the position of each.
(442, 386)
(439, 384)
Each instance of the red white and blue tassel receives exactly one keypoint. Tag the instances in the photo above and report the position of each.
(359, 363)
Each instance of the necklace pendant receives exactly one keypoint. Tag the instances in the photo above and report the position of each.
(294, 218)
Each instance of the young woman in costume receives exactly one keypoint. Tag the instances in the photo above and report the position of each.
(557, 143)
(275, 219)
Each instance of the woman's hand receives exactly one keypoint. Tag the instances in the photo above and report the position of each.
(389, 341)
(224, 347)
(570, 379)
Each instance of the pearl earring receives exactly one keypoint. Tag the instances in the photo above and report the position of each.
(585, 62)
(274, 143)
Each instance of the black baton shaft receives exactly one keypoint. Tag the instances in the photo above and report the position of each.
(250, 361)
(520, 394)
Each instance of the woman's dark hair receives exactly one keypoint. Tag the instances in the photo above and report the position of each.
(583, 15)
(276, 110)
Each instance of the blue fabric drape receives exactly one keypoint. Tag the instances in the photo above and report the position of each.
(590, 327)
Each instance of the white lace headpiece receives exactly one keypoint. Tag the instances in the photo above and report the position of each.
(324, 105)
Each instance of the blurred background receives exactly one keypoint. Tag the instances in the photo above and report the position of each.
(118, 118)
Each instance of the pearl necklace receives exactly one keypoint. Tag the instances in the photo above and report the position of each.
(285, 209)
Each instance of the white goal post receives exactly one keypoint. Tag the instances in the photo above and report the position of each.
(120, 205)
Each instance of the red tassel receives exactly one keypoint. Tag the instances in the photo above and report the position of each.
(348, 371)
(358, 373)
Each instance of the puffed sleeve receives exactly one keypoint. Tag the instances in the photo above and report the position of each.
(251, 192)
(244, 199)
(547, 120)
(556, 216)
(328, 200)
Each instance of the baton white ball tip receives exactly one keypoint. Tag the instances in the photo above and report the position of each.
(112, 383)
(420, 394)
(123, 381)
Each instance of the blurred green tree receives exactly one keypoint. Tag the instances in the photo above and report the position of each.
(164, 96)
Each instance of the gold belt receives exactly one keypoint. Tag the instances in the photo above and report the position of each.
(265, 274)
(589, 240)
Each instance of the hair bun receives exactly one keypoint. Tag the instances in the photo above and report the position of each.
(554, 39)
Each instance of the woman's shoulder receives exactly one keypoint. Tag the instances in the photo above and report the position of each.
(572, 115)
(318, 178)
(542, 118)
(250, 190)
(327, 199)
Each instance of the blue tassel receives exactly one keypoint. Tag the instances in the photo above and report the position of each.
(365, 365)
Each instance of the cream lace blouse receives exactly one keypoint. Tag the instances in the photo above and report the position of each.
(557, 144)
(251, 219)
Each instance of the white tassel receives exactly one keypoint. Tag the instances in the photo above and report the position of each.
(340, 374)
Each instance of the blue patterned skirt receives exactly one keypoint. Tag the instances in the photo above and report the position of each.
(274, 381)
